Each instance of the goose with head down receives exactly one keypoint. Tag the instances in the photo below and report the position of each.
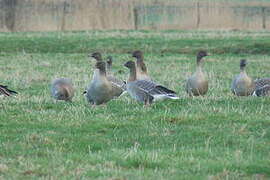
(197, 84)
(146, 91)
(242, 84)
(62, 89)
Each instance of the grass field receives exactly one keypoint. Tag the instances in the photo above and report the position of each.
(218, 136)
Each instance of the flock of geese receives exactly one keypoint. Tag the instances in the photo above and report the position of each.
(105, 86)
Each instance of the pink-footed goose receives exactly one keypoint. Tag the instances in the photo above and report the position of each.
(197, 83)
(62, 89)
(117, 82)
(242, 84)
(100, 89)
(146, 91)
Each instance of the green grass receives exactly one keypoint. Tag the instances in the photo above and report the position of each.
(218, 136)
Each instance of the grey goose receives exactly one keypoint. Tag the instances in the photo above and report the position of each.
(118, 83)
(197, 83)
(146, 91)
(62, 89)
(242, 84)
(100, 89)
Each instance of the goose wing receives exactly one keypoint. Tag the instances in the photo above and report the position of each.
(117, 82)
(157, 91)
(5, 91)
(263, 91)
(262, 82)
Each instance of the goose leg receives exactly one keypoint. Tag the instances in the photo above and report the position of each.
(146, 102)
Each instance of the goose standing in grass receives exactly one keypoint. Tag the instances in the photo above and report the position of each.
(197, 84)
(101, 90)
(117, 82)
(242, 84)
(141, 70)
(4, 91)
(146, 91)
(62, 89)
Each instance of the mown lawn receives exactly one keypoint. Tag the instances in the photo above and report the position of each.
(218, 136)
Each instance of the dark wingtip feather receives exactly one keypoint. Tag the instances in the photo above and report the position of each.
(166, 90)
(5, 91)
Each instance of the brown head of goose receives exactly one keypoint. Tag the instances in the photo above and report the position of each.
(197, 83)
(62, 89)
(140, 66)
(5, 91)
(109, 65)
(146, 91)
(242, 84)
(101, 90)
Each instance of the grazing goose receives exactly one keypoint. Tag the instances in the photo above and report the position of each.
(62, 89)
(118, 83)
(5, 91)
(146, 91)
(242, 84)
(197, 84)
(141, 70)
(101, 90)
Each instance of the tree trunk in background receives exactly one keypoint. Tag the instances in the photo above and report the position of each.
(10, 14)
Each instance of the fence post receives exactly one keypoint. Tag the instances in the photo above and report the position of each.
(263, 18)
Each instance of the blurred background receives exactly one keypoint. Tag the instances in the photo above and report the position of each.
(76, 15)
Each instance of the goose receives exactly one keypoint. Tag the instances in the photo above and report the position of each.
(101, 90)
(117, 82)
(197, 84)
(62, 89)
(4, 91)
(144, 90)
(242, 84)
(141, 70)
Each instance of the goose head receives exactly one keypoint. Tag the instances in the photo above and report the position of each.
(243, 64)
(109, 61)
(96, 55)
(137, 54)
(130, 65)
(202, 54)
